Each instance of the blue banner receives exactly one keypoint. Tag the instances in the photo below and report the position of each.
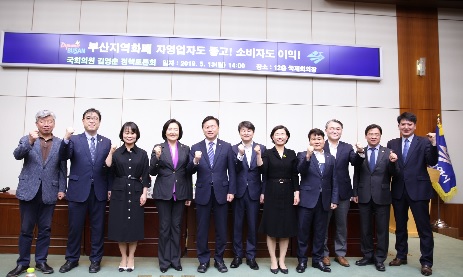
(447, 186)
(123, 52)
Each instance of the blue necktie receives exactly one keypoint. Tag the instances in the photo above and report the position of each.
(92, 149)
(210, 153)
(372, 161)
(406, 146)
(322, 167)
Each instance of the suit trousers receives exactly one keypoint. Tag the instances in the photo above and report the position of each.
(170, 225)
(340, 222)
(35, 212)
(381, 214)
(420, 211)
(316, 217)
(241, 206)
(77, 214)
(203, 217)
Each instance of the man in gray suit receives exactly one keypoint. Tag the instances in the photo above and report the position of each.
(41, 182)
(372, 182)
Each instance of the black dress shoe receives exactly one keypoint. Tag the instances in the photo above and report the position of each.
(68, 266)
(364, 261)
(221, 267)
(274, 271)
(95, 267)
(252, 264)
(321, 266)
(202, 268)
(177, 268)
(18, 270)
(236, 262)
(380, 266)
(163, 270)
(44, 267)
(301, 267)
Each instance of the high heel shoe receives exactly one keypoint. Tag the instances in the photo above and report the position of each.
(131, 268)
(274, 271)
(122, 268)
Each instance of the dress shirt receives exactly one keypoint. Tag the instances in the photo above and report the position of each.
(333, 148)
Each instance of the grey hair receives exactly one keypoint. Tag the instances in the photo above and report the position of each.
(43, 114)
(335, 121)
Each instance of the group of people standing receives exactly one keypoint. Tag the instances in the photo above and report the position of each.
(246, 175)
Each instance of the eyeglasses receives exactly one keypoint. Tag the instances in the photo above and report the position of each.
(95, 118)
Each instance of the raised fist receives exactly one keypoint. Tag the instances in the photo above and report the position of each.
(69, 132)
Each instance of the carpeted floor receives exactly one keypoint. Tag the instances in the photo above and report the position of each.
(448, 257)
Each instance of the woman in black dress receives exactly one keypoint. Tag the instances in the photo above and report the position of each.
(280, 196)
(172, 190)
(129, 166)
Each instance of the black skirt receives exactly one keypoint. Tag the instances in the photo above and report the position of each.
(279, 217)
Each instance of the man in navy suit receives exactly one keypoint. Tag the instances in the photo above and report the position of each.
(87, 190)
(411, 188)
(344, 154)
(41, 182)
(372, 182)
(213, 160)
(319, 195)
(247, 197)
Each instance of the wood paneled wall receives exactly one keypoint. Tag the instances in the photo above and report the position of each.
(417, 36)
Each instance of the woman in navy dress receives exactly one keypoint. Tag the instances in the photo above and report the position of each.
(129, 166)
(280, 196)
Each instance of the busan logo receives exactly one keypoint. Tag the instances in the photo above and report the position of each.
(73, 48)
(316, 57)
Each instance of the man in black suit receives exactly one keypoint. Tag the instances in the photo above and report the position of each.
(411, 188)
(214, 162)
(318, 194)
(372, 181)
(247, 198)
(344, 154)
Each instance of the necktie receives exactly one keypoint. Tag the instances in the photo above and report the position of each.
(372, 160)
(322, 167)
(210, 153)
(406, 146)
(92, 149)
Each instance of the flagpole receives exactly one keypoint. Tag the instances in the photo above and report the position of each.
(439, 224)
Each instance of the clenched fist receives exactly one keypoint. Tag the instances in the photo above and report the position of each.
(158, 150)
(69, 132)
(33, 135)
(198, 155)
(241, 149)
(359, 147)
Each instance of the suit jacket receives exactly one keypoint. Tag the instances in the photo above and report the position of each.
(166, 174)
(345, 155)
(374, 185)
(312, 179)
(413, 173)
(83, 171)
(217, 175)
(248, 175)
(51, 173)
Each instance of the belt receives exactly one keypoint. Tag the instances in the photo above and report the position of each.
(281, 181)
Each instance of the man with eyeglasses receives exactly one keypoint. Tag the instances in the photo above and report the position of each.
(88, 188)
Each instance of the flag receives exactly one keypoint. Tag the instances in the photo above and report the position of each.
(447, 185)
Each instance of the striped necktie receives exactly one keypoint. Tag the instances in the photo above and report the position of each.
(92, 149)
(405, 151)
(210, 153)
